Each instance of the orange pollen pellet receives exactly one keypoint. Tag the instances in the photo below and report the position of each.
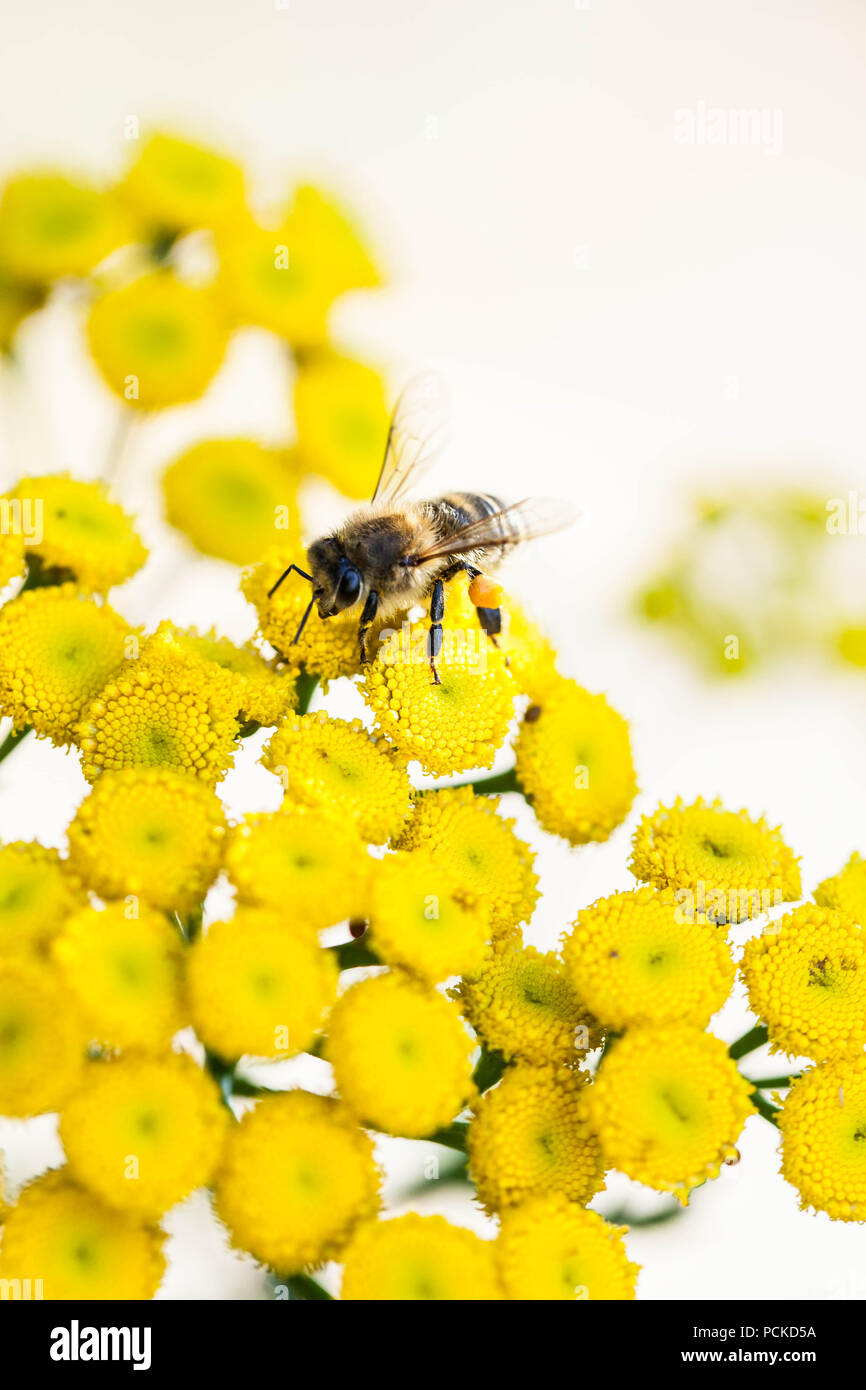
(484, 592)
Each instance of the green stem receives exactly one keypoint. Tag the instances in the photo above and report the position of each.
(223, 1073)
(452, 1136)
(12, 740)
(493, 785)
(192, 923)
(302, 1286)
(249, 726)
(41, 576)
(305, 688)
(623, 1217)
(772, 1083)
(763, 1107)
(749, 1042)
(353, 953)
(488, 1069)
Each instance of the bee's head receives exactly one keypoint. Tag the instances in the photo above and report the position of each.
(337, 582)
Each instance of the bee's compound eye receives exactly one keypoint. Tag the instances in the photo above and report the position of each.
(348, 589)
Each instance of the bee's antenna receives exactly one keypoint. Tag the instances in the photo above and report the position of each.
(285, 574)
(307, 612)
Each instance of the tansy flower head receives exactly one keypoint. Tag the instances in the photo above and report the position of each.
(806, 977)
(553, 1249)
(125, 973)
(637, 959)
(531, 1136)
(465, 832)
(150, 833)
(157, 341)
(233, 498)
(845, 891)
(57, 649)
(530, 654)
(573, 761)
(296, 1177)
(12, 559)
(175, 185)
(247, 684)
(823, 1125)
(401, 1055)
(733, 866)
(144, 1132)
(323, 226)
(85, 535)
(422, 1258)
(256, 988)
(274, 277)
(42, 1039)
(339, 766)
(420, 918)
(342, 420)
(164, 718)
(522, 1004)
(81, 1248)
(668, 1104)
(37, 891)
(52, 226)
(308, 865)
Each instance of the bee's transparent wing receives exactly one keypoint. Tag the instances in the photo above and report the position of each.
(522, 521)
(417, 435)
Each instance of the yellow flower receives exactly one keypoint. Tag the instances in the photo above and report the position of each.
(79, 1248)
(421, 1258)
(157, 342)
(233, 498)
(57, 649)
(636, 959)
(530, 654)
(309, 865)
(163, 718)
(401, 1055)
(531, 1136)
(522, 1004)
(52, 226)
(806, 977)
(552, 1249)
(275, 278)
(256, 988)
(85, 535)
(250, 686)
(669, 1105)
(125, 974)
(18, 298)
(12, 558)
(846, 891)
(465, 832)
(42, 1039)
(573, 761)
(420, 918)
(149, 833)
(850, 642)
(144, 1132)
(297, 1175)
(730, 866)
(823, 1126)
(452, 727)
(336, 765)
(37, 891)
(342, 420)
(175, 185)
(325, 228)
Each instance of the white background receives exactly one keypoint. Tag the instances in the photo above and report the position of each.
(590, 288)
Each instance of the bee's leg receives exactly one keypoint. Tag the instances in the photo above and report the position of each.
(490, 620)
(437, 611)
(368, 614)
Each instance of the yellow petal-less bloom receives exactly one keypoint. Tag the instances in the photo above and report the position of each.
(823, 1126)
(57, 649)
(233, 498)
(530, 654)
(164, 718)
(51, 226)
(42, 1039)
(157, 341)
(256, 988)
(731, 865)
(573, 762)
(85, 535)
(323, 226)
(250, 686)
(151, 833)
(636, 959)
(421, 1258)
(465, 832)
(307, 864)
(275, 278)
(669, 1104)
(125, 973)
(845, 891)
(143, 1132)
(806, 977)
(523, 1004)
(81, 1248)
(175, 185)
(37, 892)
(296, 1178)
(552, 1249)
(12, 556)
(401, 1055)
(342, 419)
(339, 766)
(531, 1136)
(421, 919)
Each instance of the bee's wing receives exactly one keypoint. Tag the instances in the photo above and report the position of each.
(417, 435)
(522, 521)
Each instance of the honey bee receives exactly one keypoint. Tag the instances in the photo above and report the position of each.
(395, 553)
